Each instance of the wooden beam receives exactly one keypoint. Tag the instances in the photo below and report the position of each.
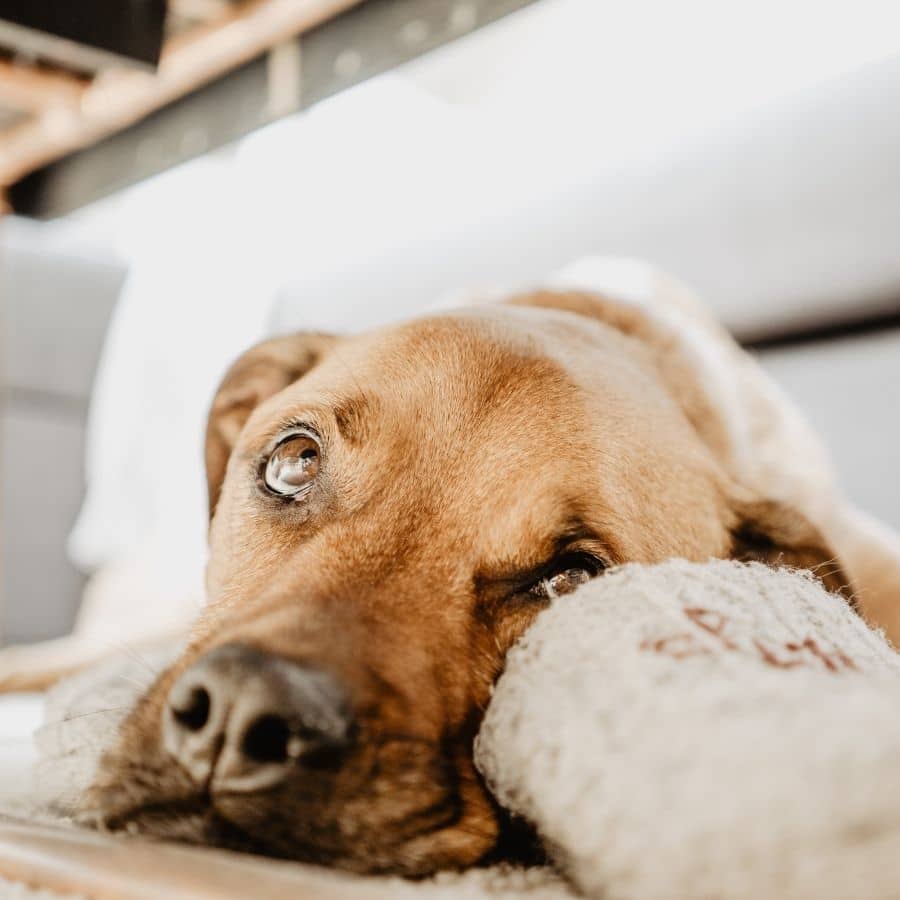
(117, 99)
(31, 89)
(199, 9)
(374, 36)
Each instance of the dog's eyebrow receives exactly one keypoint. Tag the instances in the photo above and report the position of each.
(572, 531)
(350, 417)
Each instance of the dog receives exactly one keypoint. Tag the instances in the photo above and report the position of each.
(388, 514)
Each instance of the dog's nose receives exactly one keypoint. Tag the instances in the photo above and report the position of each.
(240, 719)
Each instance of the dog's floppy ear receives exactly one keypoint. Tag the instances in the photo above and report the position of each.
(261, 372)
(777, 534)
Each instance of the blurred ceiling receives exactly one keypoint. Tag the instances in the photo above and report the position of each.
(562, 85)
(61, 89)
(226, 67)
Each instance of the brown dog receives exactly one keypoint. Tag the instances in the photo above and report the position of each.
(388, 514)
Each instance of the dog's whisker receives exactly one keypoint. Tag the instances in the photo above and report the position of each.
(141, 686)
(133, 654)
(84, 715)
(25, 740)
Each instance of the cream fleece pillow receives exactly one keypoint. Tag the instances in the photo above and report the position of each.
(686, 731)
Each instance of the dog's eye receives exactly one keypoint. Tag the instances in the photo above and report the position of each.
(568, 573)
(293, 465)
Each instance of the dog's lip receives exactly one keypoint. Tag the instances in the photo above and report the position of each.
(194, 820)
(124, 818)
(199, 820)
(201, 802)
(198, 812)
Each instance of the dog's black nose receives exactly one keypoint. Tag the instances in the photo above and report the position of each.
(240, 719)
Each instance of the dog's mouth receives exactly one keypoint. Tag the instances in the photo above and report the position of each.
(395, 805)
(205, 820)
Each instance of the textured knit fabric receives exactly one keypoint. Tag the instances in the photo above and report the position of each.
(723, 730)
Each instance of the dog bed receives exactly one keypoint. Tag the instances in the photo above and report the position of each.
(683, 730)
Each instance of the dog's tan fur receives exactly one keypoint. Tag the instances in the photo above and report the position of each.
(459, 452)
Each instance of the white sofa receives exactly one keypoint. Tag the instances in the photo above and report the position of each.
(785, 223)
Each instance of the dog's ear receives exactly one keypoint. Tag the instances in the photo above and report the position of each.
(261, 372)
(779, 535)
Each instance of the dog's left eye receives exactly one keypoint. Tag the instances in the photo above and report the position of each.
(293, 465)
(567, 574)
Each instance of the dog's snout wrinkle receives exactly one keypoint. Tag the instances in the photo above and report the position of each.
(239, 719)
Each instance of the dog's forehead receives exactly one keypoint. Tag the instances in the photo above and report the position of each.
(458, 346)
(442, 369)
(501, 375)
(474, 353)
(463, 409)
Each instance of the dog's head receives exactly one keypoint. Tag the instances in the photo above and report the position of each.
(388, 514)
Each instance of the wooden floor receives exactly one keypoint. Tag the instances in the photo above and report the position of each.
(77, 861)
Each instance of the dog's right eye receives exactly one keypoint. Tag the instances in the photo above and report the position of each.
(293, 465)
(566, 574)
